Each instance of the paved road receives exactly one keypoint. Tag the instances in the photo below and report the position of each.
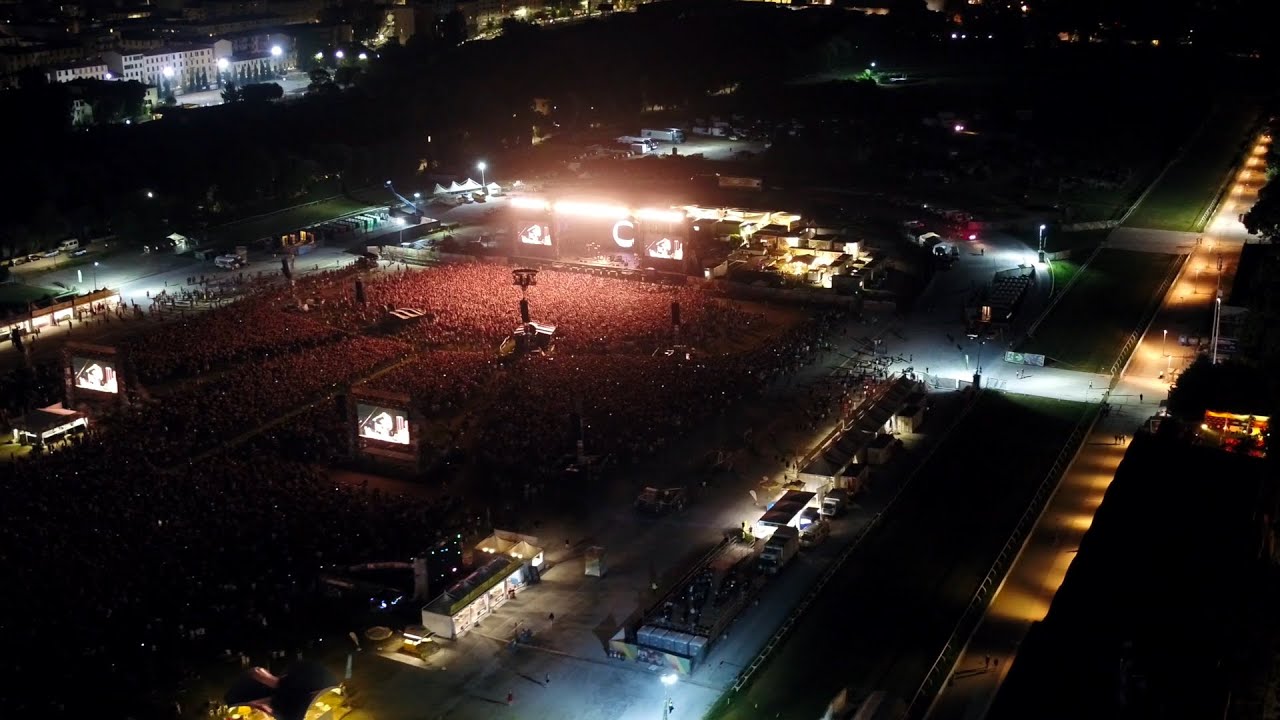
(1028, 590)
(933, 340)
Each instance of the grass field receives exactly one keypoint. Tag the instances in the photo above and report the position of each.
(15, 293)
(880, 622)
(1087, 327)
(284, 221)
(1183, 197)
(1063, 271)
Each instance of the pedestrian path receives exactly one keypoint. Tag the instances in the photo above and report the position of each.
(1023, 598)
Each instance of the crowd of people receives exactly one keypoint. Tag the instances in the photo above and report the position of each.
(154, 564)
(242, 332)
(198, 415)
(474, 306)
(129, 583)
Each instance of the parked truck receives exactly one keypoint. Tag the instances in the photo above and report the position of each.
(837, 502)
(779, 550)
(671, 135)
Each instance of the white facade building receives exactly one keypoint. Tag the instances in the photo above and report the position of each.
(81, 71)
(177, 69)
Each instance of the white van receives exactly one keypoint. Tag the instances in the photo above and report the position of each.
(69, 245)
(229, 262)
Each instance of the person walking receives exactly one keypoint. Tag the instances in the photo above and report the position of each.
(1139, 397)
(546, 680)
(986, 665)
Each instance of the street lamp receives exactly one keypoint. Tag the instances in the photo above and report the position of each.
(1164, 343)
(95, 274)
(1042, 227)
(667, 681)
(1217, 317)
(481, 167)
(276, 51)
(363, 56)
(339, 54)
(150, 194)
(223, 64)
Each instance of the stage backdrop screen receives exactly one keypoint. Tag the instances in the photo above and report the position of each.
(95, 375)
(533, 233)
(597, 236)
(382, 423)
(665, 248)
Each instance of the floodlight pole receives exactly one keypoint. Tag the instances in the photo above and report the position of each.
(1217, 319)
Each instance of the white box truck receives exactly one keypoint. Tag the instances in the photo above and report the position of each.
(780, 549)
(671, 135)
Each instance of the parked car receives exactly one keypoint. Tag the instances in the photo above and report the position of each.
(52, 253)
(34, 257)
(81, 251)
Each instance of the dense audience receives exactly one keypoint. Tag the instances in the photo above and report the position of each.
(475, 306)
(239, 333)
(127, 583)
(145, 548)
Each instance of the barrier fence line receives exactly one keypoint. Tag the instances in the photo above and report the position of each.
(1053, 299)
(1148, 315)
(970, 619)
(744, 679)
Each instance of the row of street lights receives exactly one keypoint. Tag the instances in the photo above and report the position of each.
(340, 55)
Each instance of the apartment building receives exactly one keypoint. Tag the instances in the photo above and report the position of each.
(87, 70)
(180, 69)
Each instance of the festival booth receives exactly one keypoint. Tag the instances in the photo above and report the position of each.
(38, 427)
(506, 563)
(456, 188)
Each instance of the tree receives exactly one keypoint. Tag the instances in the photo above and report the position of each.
(453, 29)
(230, 94)
(108, 108)
(261, 92)
(320, 79)
(345, 75)
(1263, 219)
(204, 79)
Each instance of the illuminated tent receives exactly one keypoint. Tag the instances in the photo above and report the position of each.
(39, 426)
(440, 190)
(292, 696)
(493, 189)
(470, 186)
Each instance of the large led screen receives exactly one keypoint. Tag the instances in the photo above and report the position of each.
(95, 375)
(382, 423)
(665, 248)
(534, 233)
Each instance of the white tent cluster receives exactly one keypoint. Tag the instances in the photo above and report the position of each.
(470, 186)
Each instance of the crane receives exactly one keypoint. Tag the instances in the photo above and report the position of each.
(408, 204)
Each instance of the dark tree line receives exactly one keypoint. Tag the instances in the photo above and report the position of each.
(210, 164)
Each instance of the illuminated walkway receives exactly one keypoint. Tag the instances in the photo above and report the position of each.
(1031, 583)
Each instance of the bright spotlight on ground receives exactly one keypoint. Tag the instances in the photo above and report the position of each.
(670, 679)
